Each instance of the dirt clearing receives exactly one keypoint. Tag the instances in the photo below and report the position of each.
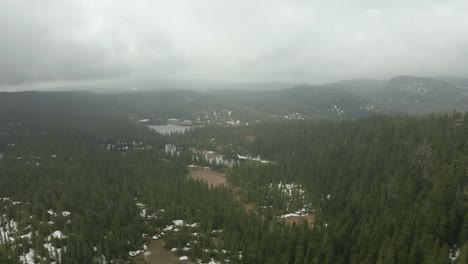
(207, 175)
(157, 254)
(299, 219)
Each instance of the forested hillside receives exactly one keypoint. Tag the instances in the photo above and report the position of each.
(418, 94)
(91, 185)
(385, 189)
(233, 132)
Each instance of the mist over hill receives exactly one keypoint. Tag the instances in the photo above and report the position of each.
(341, 100)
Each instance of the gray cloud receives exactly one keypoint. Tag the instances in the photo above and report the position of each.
(230, 40)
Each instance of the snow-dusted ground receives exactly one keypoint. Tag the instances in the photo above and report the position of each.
(121, 145)
(257, 159)
(56, 234)
(66, 213)
(28, 258)
(174, 229)
(28, 236)
(454, 254)
(8, 229)
(338, 111)
(55, 252)
(51, 212)
(294, 197)
(134, 253)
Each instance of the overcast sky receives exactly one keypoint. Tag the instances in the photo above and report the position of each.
(77, 41)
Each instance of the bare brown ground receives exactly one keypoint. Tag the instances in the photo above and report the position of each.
(215, 179)
(299, 219)
(158, 254)
(208, 175)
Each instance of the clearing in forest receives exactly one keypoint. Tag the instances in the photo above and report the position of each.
(208, 175)
(156, 254)
(298, 219)
(214, 178)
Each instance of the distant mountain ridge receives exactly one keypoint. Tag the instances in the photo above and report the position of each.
(422, 94)
(363, 87)
(339, 100)
(331, 102)
(422, 87)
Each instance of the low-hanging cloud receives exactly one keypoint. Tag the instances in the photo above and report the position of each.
(230, 40)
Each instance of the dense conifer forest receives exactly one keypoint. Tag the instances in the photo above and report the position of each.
(95, 186)
(233, 132)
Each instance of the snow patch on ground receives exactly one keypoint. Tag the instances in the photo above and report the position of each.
(138, 251)
(56, 234)
(178, 222)
(28, 258)
(8, 228)
(55, 252)
(338, 111)
(454, 254)
(134, 253)
(51, 212)
(66, 213)
(28, 236)
(288, 215)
